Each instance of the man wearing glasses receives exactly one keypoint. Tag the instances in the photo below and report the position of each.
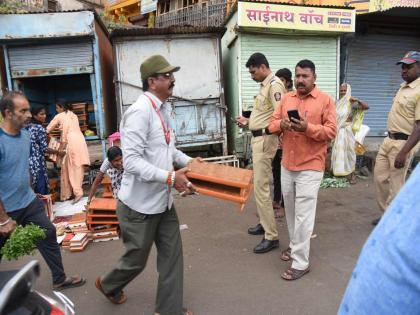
(145, 207)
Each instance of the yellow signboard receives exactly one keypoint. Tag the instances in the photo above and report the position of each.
(278, 16)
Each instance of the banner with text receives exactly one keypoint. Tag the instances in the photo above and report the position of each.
(277, 16)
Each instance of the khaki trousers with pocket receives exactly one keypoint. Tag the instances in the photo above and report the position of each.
(300, 192)
(263, 150)
(388, 179)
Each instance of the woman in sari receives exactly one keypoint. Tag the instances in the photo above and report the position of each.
(77, 156)
(349, 119)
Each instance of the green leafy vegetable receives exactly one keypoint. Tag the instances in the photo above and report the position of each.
(22, 241)
(334, 182)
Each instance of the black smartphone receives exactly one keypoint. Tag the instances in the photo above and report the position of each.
(293, 113)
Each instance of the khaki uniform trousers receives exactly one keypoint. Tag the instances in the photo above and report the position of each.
(263, 150)
(388, 179)
(300, 192)
(139, 232)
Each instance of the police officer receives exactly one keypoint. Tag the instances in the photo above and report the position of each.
(264, 146)
(396, 152)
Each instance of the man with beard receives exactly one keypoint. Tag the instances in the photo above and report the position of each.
(398, 148)
(304, 150)
(145, 210)
(18, 202)
(264, 146)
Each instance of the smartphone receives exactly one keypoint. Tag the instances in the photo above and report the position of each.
(293, 113)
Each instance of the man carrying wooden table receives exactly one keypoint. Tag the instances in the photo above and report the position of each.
(145, 209)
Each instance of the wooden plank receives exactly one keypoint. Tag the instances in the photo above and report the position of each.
(221, 181)
(109, 204)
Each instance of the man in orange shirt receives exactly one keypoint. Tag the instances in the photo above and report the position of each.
(304, 149)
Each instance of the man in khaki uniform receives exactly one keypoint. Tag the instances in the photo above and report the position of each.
(396, 152)
(264, 147)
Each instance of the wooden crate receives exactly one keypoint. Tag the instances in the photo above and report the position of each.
(221, 181)
(102, 211)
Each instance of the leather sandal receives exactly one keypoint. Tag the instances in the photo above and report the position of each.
(184, 311)
(70, 282)
(285, 254)
(294, 274)
(118, 298)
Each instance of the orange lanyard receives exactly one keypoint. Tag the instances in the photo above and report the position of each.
(166, 132)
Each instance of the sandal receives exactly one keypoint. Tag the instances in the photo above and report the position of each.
(118, 298)
(184, 311)
(294, 274)
(70, 282)
(285, 254)
(352, 178)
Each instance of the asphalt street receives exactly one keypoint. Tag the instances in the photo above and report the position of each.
(222, 274)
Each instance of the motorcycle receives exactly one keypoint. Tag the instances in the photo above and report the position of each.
(18, 295)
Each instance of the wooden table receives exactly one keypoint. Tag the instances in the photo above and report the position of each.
(221, 181)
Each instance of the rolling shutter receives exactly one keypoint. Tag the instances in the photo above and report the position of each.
(73, 57)
(373, 75)
(285, 52)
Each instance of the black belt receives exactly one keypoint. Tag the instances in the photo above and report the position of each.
(398, 136)
(260, 132)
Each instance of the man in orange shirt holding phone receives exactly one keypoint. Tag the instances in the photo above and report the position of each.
(307, 119)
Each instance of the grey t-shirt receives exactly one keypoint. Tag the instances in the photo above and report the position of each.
(15, 190)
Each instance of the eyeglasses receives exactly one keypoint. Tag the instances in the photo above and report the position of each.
(166, 75)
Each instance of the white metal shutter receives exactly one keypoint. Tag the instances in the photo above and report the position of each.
(285, 52)
(51, 59)
(373, 75)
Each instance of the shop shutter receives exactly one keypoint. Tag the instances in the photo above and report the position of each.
(373, 75)
(285, 52)
(73, 57)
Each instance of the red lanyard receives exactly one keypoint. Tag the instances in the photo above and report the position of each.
(165, 130)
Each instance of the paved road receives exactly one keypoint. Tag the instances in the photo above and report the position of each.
(222, 275)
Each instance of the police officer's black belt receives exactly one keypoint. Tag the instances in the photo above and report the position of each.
(260, 132)
(398, 136)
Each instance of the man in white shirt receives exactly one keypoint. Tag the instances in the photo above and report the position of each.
(145, 209)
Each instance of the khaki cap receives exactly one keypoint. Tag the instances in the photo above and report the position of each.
(155, 64)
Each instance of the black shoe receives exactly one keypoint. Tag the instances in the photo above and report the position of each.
(256, 230)
(376, 221)
(265, 246)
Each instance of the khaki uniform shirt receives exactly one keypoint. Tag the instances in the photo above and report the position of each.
(266, 102)
(406, 108)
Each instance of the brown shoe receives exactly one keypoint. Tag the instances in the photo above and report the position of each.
(119, 298)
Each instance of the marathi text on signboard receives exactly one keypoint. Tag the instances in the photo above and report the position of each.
(263, 15)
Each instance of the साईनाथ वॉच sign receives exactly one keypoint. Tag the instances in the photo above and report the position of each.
(277, 16)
